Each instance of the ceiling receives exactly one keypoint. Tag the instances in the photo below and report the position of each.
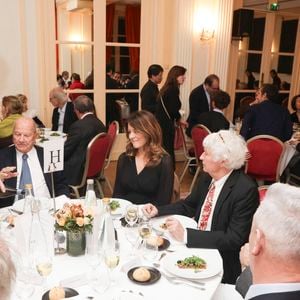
(284, 5)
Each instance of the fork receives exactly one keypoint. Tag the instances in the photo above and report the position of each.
(198, 285)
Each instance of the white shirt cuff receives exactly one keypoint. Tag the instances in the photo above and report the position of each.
(185, 236)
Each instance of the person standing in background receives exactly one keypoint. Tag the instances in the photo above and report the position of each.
(168, 106)
(149, 92)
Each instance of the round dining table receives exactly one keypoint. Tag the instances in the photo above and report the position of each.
(75, 272)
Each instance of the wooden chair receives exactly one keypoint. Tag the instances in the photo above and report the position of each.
(188, 158)
(265, 152)
(199, 132)
(112, 131)
(96, 155)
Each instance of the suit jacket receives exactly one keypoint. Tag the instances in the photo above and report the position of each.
(294, 295)
(213, 120)
(8, 158)
(80, 134)
(231, 222)
(149, 95)
(267, 118)
(198, 104)
(69, 118)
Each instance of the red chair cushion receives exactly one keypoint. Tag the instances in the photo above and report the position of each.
(198, 135)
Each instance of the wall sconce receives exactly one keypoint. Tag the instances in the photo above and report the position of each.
(207, 34)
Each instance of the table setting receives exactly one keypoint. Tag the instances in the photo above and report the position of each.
(141, 262)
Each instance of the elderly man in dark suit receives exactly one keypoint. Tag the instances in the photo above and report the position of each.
(80, 134)
(223, 203)
(63, 115)
(274, 246)
(200, 99)
(24, 155)
(267, 117)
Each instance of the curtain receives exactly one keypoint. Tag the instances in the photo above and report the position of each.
(110, 13)
(132, 29)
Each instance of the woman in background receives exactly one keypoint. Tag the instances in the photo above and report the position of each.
(145, 171)
(30, 113)
(12, 109)
(168, 106)
(295, 116)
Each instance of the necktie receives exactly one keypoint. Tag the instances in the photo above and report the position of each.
(207, 208)
(25, 173)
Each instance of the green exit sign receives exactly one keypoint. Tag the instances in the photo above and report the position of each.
(274, 6)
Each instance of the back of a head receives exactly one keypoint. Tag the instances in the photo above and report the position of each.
(154, 70)
(210, 79)
(84, 104)
(75, 76)
(226, 145)
(59, 93)
(12, 104)
(278, 218)
(172, 76)
(220, 98)
(271, 92)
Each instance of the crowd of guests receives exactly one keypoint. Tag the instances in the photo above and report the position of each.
(224, 202)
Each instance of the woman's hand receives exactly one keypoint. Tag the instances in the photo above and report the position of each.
(150, 210)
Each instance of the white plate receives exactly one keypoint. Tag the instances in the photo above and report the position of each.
(123, 204)
(185, 221)
(213, 263)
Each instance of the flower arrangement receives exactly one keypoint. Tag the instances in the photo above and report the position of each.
(73, 217)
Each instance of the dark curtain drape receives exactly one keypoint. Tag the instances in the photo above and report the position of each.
(132, 28)
(110, 13)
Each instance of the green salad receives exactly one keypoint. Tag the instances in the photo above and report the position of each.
(114, 204)
(192, 262)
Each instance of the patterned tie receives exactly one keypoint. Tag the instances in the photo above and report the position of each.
(25, 174)
(207, 208)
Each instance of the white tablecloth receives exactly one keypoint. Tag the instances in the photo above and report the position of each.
(66, 268)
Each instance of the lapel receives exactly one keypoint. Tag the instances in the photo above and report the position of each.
(224, 195)
(12, 182)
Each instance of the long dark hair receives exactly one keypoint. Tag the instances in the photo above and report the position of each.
(171, 81)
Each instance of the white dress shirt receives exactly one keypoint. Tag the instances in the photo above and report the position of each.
(39, 185)
(208, 96)
(61, 117)
(261, 289)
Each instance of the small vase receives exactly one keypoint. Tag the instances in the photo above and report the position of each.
(76, 243)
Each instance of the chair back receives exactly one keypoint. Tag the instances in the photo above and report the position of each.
(262, 192)
(95, 156)
(184, 144)
(199, 132)
(265, 151)
(112, 131)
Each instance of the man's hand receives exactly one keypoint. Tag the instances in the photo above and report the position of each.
(175, 228)
(7, 173)
(150, 210)
(2, 186)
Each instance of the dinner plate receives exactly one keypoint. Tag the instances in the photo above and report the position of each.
(213, 265)
(68, 293)
(185, 221)
(154, 275)
(124, 222)
(120, 210)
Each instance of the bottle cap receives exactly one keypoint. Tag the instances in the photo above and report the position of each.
(90, 181)
(28, 186)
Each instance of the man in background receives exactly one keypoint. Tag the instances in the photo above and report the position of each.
(200, 100)
(150, 90)
(63, 113)
(81, 133)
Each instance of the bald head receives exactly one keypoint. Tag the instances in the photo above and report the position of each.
(58, 97)
(24, 134)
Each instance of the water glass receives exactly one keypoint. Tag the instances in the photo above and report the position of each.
(131, 214)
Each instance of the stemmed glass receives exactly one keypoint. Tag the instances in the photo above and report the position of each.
(131, 233)
(145, 229)
(131, 214)
(43, 263)
(112, 259)
(150, 248)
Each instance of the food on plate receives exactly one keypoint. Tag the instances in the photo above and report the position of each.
(54, 134)
(10, 219)
(43, 140)
(56, 293)
(114, 204)
(192, 262)
(141, 274)
(163, 226)
(155, 240)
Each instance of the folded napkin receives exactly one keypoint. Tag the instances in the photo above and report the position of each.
(131, 264)
(75, 281)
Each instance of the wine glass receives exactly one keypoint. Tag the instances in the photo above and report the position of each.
(132, 235)
(145, 229)
(131, 214)
(43, 264)
(150, 248)
(112, 259)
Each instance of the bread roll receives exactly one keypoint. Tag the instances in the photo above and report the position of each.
(57, 293)
(153, 240)
(141, 274)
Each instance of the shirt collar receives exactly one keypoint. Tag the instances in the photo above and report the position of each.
(88, 113)
(29, 153)
(63, 109)
(218, 110)
(222, 180)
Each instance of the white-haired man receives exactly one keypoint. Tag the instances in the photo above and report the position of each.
(223, 203)
(274, 245)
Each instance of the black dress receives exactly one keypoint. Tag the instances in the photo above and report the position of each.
(294, 118)
(172, 103)
(152, 184)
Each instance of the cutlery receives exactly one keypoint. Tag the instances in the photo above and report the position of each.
(15, 211)
(189, 283)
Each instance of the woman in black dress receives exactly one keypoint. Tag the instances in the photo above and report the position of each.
(168, 106)
(295, 116)
(145, 171)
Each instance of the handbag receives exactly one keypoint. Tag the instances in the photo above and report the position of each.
(178, 139)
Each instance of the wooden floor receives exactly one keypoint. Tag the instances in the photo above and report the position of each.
(110, 173)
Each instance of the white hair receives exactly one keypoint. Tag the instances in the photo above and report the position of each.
(278, 217)
(228, 146)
